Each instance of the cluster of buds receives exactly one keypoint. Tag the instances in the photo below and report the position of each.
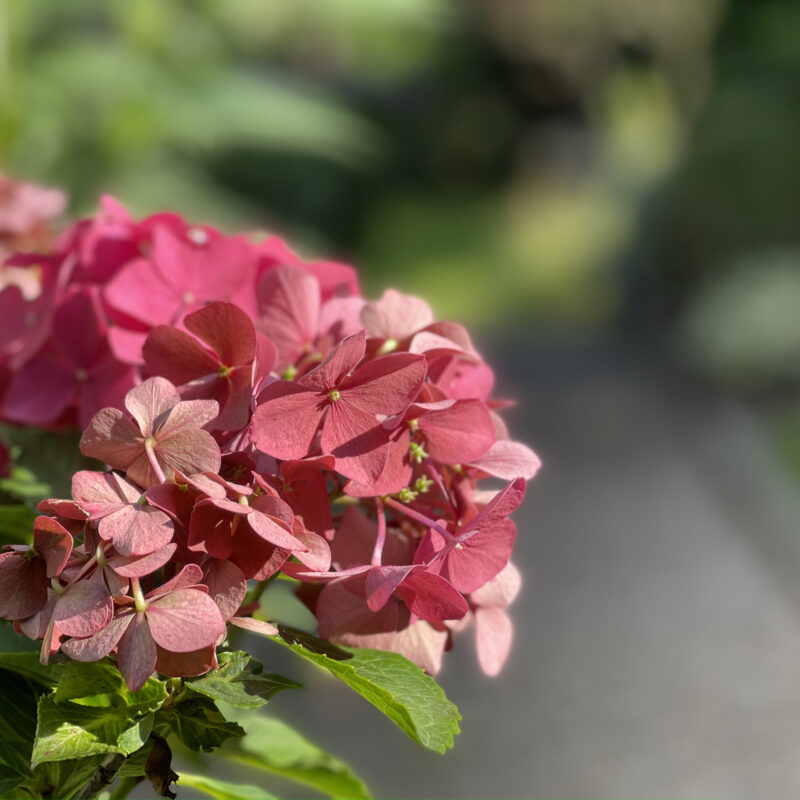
(259, 418)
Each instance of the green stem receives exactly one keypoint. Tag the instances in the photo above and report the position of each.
(124, 788)
(103, 776)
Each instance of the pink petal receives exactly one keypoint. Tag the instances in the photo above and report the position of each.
(53, 543)
(139, 291)
(458, 434)
(101, 644)
(112, 438)
(150, 402)
(177, 356)
(501, 590)
(139, 566)
(189, 451)
(40, 391)
(190, 575)
(286, 421)
(288, 310)
(386, 385)
(273, 532)
(227, 330)
(227, 586)
(494, 634)
(508, 460)
(338, 364)
(85, 608)
(431, 597)
(185, 620)
(101, 493)
(126, 345)
(340, 611)
(501, 506)
(136, 653)
(137, 530)
(381, 583)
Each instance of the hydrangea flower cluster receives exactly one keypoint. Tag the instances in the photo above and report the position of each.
(259, 417)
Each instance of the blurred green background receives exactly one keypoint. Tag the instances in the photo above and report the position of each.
(619, 174)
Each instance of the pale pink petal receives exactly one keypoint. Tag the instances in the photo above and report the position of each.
(150, 402)
(501, 590)
(126, 344)
(508, 460)
(494, 633)
(395, 315)
(189, 451)
(254, 625)
(112, 438)
(185, 620)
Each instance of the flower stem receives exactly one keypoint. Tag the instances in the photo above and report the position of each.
(418, 517)
(138, 596)
(149, 446)
(377, 553)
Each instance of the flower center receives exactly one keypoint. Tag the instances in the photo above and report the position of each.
(334, 395)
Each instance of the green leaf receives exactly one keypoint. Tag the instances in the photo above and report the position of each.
(62, 779)
(28, 664)
(14, 764)
(16, 524)
(18, 699)
(241, 681)
(223, 789)
(12, 642)
(69, 730)
(92, 711)
(272, 745)
(398, 688)
(199, 724)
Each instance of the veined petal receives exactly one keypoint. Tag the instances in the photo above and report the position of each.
(339, 363)
(85, 608)
(286, 421)
(101, 644)
(149, 403)
(137, 530)
(136, 653)
(227, 330)
(386, 385)
(185, 620)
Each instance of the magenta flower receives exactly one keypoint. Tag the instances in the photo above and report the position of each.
(344, 401)
(167, 435)
(179, 617)
(25, 572)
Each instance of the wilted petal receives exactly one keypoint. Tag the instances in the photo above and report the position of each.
(53, 542)
(184, 665)
(23, 585)
(254, 625)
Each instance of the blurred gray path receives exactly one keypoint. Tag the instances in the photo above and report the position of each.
(658, 647)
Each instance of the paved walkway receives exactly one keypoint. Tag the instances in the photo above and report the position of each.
(658, 649)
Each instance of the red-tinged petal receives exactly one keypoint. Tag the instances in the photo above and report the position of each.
(501, 590)
(500, 507)
(227, 330)
(35, 627)
(106, 386)
(460, 433)
(177, 356)
(150, 402)
(211, 530)
(40, 391)
(335, 279)
(227, 586)
(136, 653)
(53, 543)
(340, 612)
(288, 310)
(396, 315)
(254, 625)
(317, 555)
(139, 566)
(480, 557)
(184, 665)
(386, 385)
(338, 364)
(185, 620)
(23, 585)
(256, 557)
(101, 493)
(273, 531)
(85, 608)
(508, 460)
(358, 442)
(382, 582)
(112, 438)
(264, 360)
(189, 576)
(66, 509)
(101, 644)
(494, 634)
(286, 421)
(431, 597)
(173, 500)
(137, 530)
